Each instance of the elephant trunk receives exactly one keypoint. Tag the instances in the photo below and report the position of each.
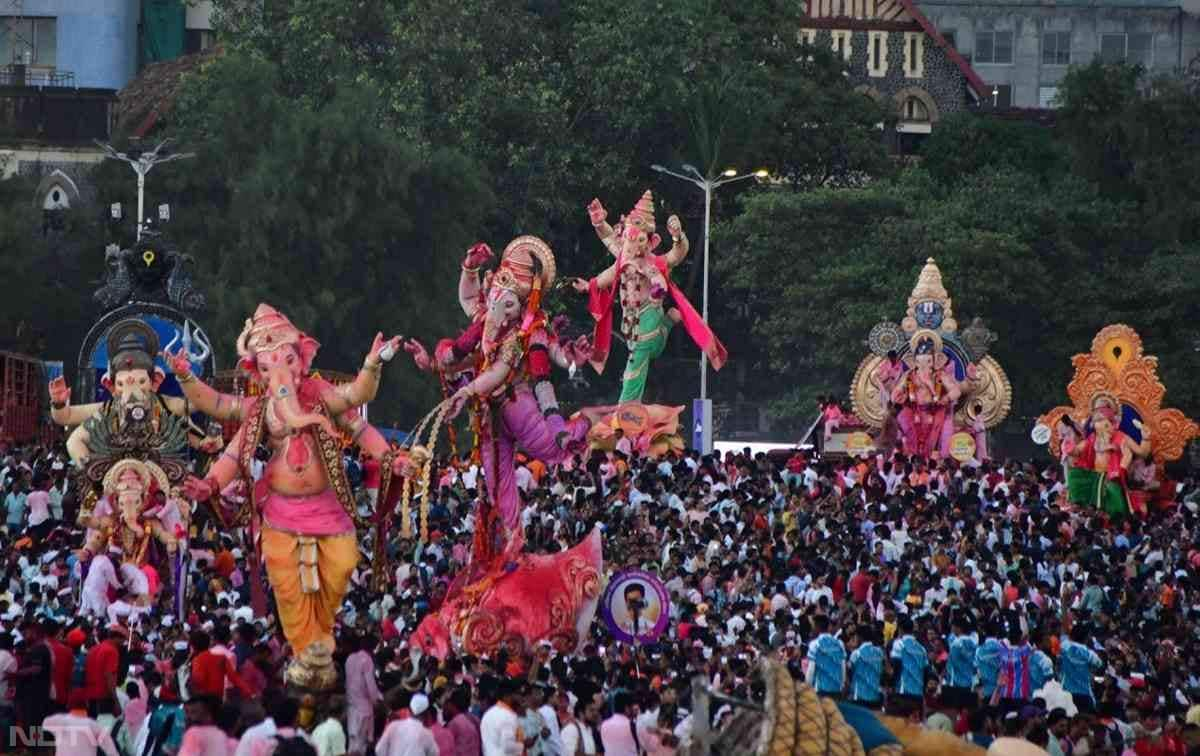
(287, 406)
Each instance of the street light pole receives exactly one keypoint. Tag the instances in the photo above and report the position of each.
(707, 185)
(142, 165)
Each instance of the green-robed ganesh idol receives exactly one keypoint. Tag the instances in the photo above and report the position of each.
(643, 280)
(1115, 436)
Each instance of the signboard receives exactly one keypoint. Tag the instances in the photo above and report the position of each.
(962, 447)
(859, 443)
(635, 607)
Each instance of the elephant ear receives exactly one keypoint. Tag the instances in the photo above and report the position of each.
(307, 348)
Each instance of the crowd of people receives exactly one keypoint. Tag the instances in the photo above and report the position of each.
(971, 599)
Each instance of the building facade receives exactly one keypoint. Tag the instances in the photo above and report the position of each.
(897, 57)
(1023, 49)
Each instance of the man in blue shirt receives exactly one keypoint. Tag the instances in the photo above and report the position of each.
(987, 661)
(958, 689)
(828, 657)
(1041, 666)
(1076, 663)
(866, 669)
(913, 660)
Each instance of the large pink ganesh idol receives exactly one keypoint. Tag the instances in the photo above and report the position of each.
(503, 361)
(309, 543)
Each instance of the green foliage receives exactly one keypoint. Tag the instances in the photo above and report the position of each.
(343, 226)
(963, 143)
(562, 101)
(46, 296)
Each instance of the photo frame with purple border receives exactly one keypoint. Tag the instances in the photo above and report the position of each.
(613, 610)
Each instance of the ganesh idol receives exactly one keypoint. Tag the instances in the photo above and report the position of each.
(1115, 437)
(925, 395)
(133, 381)
(150, 547)
(506, 597)
(1098, 476)
(511, 392)
(307, 511)
(650, 303)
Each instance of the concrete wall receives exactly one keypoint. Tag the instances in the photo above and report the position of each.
(1174, 31)
(199, 15)
(97, 39)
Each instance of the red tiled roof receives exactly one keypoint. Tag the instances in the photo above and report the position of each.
(151, 95)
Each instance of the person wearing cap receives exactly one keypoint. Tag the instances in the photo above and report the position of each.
(409, 736)
(77, 734)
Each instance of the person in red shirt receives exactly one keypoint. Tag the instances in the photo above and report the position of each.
(100, 668)
(62, 663)
(210, 670)
(371, 478)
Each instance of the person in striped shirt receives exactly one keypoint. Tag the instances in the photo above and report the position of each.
(1016, 665)
(913, 661)
(1076, 663)
(828, 657)
(958, 690)
(866, 669)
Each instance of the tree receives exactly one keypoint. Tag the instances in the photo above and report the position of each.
(345, 227)
(1046, 270)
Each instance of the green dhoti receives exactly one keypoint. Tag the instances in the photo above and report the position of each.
(648, 343)
(1088, 488)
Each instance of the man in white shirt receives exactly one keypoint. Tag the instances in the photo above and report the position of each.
(77, 734)
(498, 728)
(411, 736)
(577, 734)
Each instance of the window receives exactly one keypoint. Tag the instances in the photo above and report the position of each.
(196, 40)
(1141, 49)
(841, 43)
(1136, 49)
(915, 110)
(914, 55)
(32, 41)
(1056, 48)
(994, 47)
(877, 53)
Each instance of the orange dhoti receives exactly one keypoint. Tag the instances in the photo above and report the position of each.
(309, 575)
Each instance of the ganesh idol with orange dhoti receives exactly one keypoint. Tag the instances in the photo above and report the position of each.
(308, 539)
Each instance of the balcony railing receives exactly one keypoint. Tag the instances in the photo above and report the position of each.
(19, 75)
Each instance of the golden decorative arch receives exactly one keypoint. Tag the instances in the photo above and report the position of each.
(1117, 368)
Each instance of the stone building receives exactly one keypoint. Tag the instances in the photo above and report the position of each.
(1023, 49)
(896, 56)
